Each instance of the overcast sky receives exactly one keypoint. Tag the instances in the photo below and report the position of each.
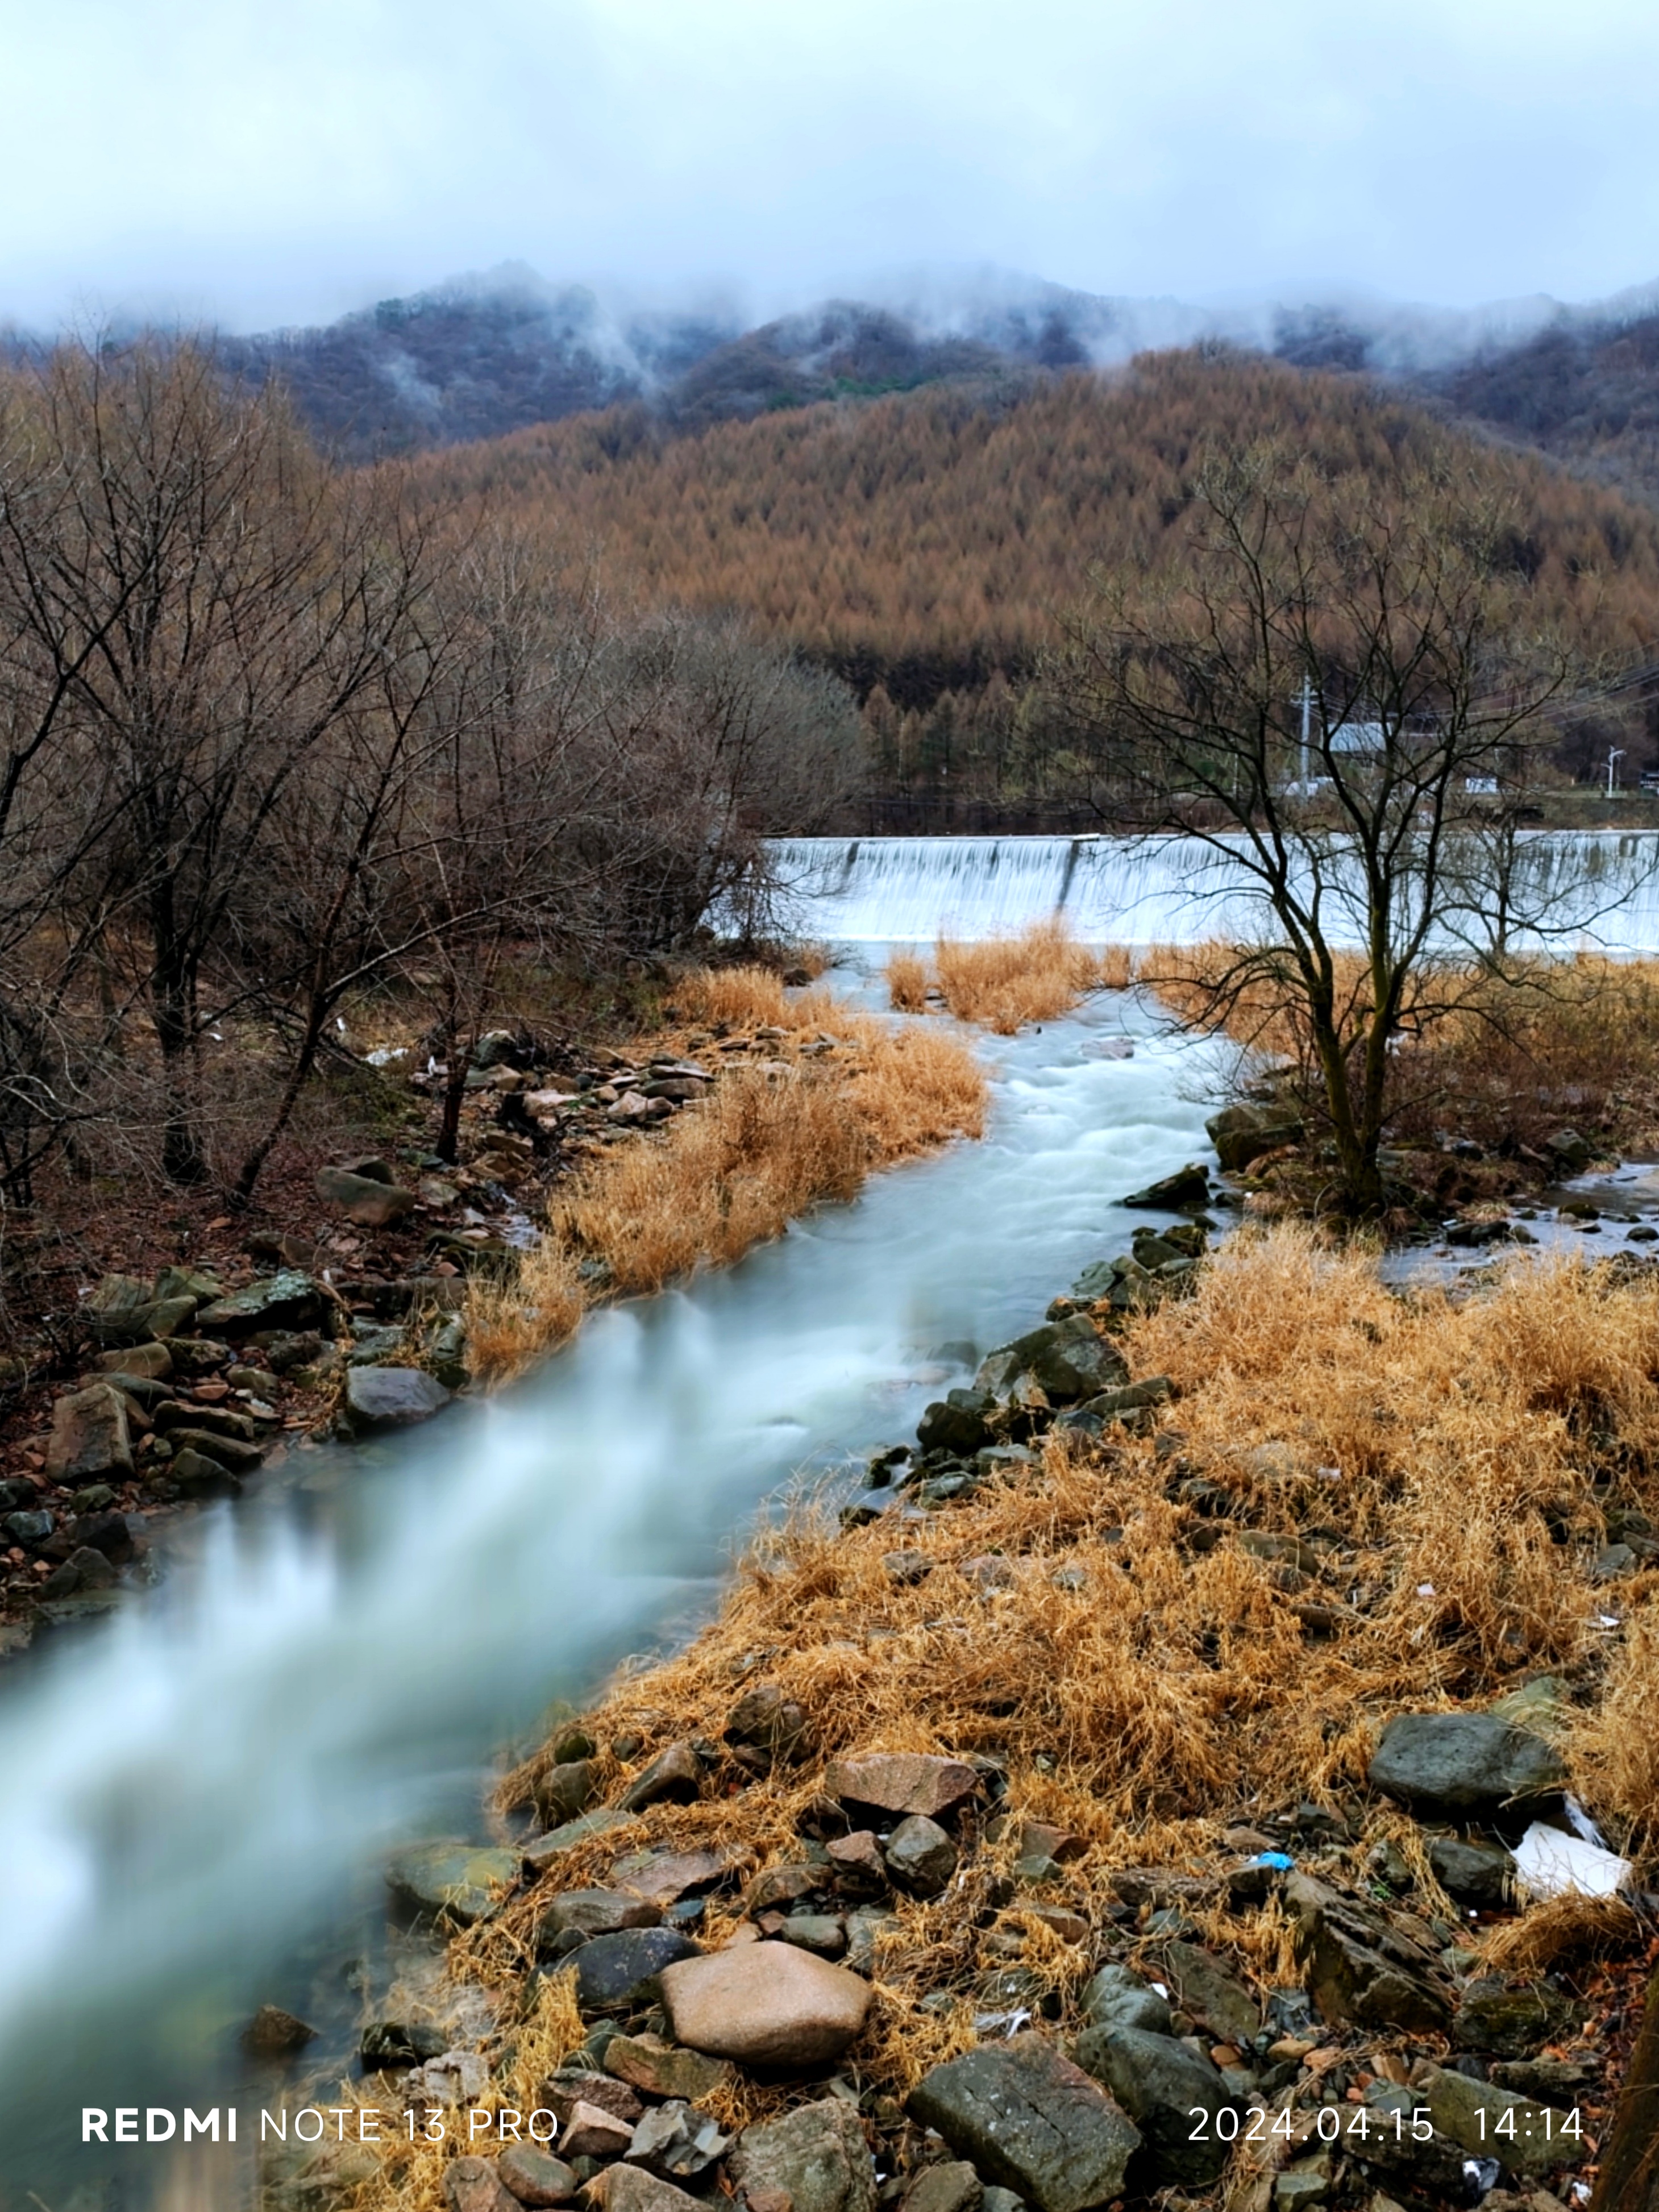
(277, 160)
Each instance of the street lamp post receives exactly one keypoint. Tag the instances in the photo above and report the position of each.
(1616, 754)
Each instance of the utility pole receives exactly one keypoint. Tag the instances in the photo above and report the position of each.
(1616, 754)
(1306, 709)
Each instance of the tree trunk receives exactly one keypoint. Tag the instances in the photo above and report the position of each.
(173, 1012)
(1630, 2161)
(299, 1075)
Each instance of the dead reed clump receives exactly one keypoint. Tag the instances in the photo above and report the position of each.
(1575, 1927)
(907, 983)
(1000, 983)
(1117, 967)
(1003, 982)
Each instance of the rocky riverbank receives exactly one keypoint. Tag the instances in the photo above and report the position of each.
(1171, 1773)
(422, 1279)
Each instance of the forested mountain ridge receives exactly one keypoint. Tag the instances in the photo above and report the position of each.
(924, 539)
(483, 357)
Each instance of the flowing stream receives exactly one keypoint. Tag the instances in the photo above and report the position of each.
(197, 1793)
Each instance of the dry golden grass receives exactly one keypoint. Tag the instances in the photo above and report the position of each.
(907, 983)
(1002, 983)
(1447, 1461)
(774, 1140)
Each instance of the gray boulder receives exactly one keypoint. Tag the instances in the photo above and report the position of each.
(459, 1883)
(621, 1972)
(1114, 1997)
(921, 1857)
(89, 1436)
(287, 1300)
(676, 2142)
(1509, 2023)
(590, 1912)
(1211, 1995)
(1029, 2120)
(1242, 1133)
(1067, 1360)
(1174, 1193)
(815, 2156)
(957, 1422)
(1474, 1874)
(1161, 2084)
(1360, 1969)
(1463, 1764)
(1487, 2122)
(392, 1397)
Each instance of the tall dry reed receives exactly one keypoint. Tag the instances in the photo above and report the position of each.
(1003, 982)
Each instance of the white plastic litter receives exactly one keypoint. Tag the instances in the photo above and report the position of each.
(1425, 1589)
(1549, 1862)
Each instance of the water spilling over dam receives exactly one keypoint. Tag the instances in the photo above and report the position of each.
(1594, 887)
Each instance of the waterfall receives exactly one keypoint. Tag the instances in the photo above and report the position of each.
(1594, 887)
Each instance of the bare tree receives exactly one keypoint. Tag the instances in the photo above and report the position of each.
(1326, 692)
(210, 602)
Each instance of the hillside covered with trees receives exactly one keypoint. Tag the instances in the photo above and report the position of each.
(922, 546)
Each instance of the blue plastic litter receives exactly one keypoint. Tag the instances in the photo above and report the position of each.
(1280, 1862)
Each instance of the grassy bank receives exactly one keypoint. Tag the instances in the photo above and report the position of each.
(1359, 1504)
(814, 1097)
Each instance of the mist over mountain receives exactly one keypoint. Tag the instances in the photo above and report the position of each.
(486, 355)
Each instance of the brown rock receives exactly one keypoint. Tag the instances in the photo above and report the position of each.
(857, 1862)
(562, 2093)
(470, 2185)
(782, 1885)
(1070, 1927)
(536, 2176)
(89, 1436)
(662, 1878)
(765, 2004)
(361, 1199)
(274, 2033)
(631, 2188)
(902, 1783)
(151, 1363)
(676, 1773)
(951, 2186)
(592, 2132)
(771, 1723)
(663, 2070)
(1041, 1839)
(594, 1912)
(565, 1790)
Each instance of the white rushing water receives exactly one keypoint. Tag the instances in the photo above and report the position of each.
(195, 1786)
(1598, 887)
